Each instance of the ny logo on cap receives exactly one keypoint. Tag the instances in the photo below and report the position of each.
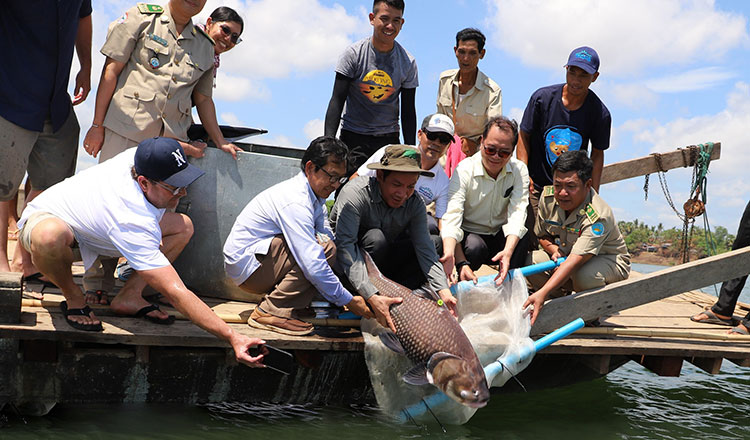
(178, 157)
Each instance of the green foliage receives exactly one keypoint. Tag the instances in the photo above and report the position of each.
(640, 237)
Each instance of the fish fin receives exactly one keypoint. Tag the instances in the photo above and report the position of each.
(426, 294)
(391, 341)
(418, 375)
(437, 357)
(372, 269)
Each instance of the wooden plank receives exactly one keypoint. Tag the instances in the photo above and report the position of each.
(612, 298)
(628, 346)
(598, 363)
(709, 365)
(647, 164)
(669, 366)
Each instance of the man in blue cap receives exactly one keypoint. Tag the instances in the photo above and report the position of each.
(122, 207)
(564, 117)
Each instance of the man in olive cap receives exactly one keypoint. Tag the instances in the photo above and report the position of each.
(385, 217)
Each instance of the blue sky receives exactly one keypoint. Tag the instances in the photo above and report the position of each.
(673, 73)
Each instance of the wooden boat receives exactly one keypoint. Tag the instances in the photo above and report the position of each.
(43, 361)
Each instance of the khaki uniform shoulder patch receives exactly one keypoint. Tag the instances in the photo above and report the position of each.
(591, 213)
(146, 8)
(548, 190)
(202, 32)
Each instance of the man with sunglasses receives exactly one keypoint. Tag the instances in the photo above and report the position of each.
(281, 246)
(434, 137)
(121, 208)
(487, 201)
(158, 66)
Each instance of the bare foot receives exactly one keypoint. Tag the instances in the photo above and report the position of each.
(97, 297)
(129, 305)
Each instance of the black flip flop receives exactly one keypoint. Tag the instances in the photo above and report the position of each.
(37, 278)
(143, 313)
(85, 311)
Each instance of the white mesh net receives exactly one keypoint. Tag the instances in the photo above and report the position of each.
(494, 323)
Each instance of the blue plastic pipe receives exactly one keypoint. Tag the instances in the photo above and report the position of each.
(532, 269)
(495, 368)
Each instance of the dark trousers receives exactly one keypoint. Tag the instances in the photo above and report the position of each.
(731, 290)
(362, 146)
(532, 211)
(479, 249)
(432, 228)
(396, 260)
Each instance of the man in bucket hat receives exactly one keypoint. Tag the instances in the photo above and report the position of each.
(122, 208)
(385, 217)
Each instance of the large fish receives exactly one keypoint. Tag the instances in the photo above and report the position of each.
(430, 336)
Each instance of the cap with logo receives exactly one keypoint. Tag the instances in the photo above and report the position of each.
(438, 123)
(163, 159)
(586, 58)
(404, 158)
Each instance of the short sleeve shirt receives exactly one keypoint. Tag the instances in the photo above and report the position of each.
(162, 69)
(37, 39)
(589, 229)
(372, 103)
(108, 213)
(555, 130)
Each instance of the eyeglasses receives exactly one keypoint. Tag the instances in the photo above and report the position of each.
(443, 138)
(171, 189)
(333, 179)
(491, 151)
(233, 36)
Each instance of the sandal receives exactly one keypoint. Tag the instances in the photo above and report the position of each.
(286, 326)
(143, 313)
(84, 311)
(739, 330)
(712, 319)
(99, 294)
(37, 278)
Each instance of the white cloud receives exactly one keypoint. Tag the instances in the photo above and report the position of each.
(726, 193)
(628, 34)
(696, 79)
(235, 88)
(229, 118)
(314, 128)
(636, 96)
(285, 36)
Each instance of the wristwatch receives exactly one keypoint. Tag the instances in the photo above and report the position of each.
(461, 264)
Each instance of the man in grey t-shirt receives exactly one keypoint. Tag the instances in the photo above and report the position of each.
(371, 75)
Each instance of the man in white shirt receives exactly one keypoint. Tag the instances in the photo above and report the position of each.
(119, 208)
(487, 201)
(281, 244)
(434, 137)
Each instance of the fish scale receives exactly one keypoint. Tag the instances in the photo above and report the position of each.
(422, 326)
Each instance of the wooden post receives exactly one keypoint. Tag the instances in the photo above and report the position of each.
(648, 164)
(10, 297)
(592, 304)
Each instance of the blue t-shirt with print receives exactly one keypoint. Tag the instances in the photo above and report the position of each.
(554, 129)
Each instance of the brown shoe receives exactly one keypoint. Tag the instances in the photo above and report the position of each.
(287, 326)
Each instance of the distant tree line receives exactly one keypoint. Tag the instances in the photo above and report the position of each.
(640, 237)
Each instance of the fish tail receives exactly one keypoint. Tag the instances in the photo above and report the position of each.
(372, 269)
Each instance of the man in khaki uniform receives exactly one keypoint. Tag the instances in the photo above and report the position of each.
(574, 222)
(158, 65)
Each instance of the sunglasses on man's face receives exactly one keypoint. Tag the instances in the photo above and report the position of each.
(502, 154)
(233, 36)
(443, 138)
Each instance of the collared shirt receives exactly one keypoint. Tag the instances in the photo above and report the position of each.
(291, 209)
(481, 102)
(37, 39)
(479, 204)
(154, 90)
(589, 229)
(359, 208)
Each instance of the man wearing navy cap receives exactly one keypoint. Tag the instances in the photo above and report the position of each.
(120, 208)
(564, 117)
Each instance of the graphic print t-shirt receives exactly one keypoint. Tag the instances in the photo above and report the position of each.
(555, 130)
(372, 104)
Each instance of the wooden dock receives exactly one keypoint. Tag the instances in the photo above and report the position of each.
(43, 360)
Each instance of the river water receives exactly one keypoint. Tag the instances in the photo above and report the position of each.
(629, 403)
